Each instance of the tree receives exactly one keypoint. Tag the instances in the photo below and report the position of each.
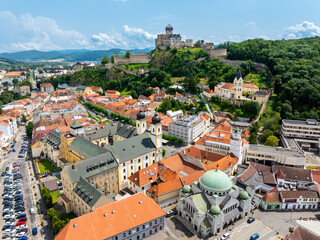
(15, 82)
(112, 58)
(46, 196)
(105, 60)
(265, 134)
(29, 129)
(127, 54)
(272, 141)
(180, 141)
(24, 118)
(198, 43)
(190, 84)
(6, 85)
(163, 152)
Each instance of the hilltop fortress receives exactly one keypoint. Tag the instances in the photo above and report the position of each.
(171, 40)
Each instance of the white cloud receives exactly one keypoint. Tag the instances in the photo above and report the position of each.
(128, 37)
(25, 32)
(139, 31)
(305, 29)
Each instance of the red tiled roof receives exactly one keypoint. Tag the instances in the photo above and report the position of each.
(112, 219)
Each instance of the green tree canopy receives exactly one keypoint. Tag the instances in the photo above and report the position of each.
(105, 60)
(127, 54)
(272, 141)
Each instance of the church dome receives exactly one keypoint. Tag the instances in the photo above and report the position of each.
(156, 119)
(215, 209)
(244, 195)
(140, 115)
(186, 189)
(216, 180)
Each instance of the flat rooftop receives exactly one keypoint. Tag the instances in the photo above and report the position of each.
(275, 150)
(308, 122)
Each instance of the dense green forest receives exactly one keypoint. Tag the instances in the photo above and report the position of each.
(295, 69)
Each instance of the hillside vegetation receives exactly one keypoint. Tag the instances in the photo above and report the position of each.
(295, 67)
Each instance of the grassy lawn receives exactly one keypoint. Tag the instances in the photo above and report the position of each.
(193, 50)
(68, 216)
(54, 196)
(106, 121)
(125, 92)
(255, 79)
(176, 79)
(46, 165)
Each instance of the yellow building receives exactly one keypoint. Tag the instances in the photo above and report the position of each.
(87, 183)
(235, 90)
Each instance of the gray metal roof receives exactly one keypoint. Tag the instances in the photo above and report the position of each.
(114, 128)
(91, 166)
(87, 192)
(86, 148)
(53, 139)
(132, 147)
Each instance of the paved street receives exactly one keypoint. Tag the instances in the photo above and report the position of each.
(27, 187)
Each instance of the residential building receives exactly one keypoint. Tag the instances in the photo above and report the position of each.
(174, 115)
(225, 139)
(304, 133)
(250, 88)
(212, 203)
(46, 87)
(260, 97)
(102, 174)
(50, 147)
(134, 217)
(208, 93)
(219, 116)
(24, 90)
(187, 128)
(290, 200)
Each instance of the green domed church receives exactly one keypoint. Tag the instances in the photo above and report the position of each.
(213, 203)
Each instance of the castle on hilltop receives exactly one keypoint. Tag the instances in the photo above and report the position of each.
(171, 40)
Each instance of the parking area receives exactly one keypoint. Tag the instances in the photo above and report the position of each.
(19, 195)
(246, 230)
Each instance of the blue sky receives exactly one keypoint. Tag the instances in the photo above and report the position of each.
(105, 24)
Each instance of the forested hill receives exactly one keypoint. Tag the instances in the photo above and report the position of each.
(67, 55)
(295, 66)
(6, 62)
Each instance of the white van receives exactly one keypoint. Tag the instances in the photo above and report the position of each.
(32, 211)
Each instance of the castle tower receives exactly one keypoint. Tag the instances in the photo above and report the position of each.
(141, 123)
(169, 29)
(238, 85)
(236, 144)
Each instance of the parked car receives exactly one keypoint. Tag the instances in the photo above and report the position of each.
(3, 173)
(7, 169)
(7, 227)
(14, 150)
(170, 213)
(34, 231)
(21, 227)
(21, 216)
(23, 238)
(19, 213)
(250, 220)
(7, 215)
(44, 175)
(21, 234)
(254, 236)
(32, 211)
(21, 223)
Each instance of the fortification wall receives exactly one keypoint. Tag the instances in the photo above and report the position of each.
(134, 58)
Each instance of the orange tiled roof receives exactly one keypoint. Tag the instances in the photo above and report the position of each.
(208, 91)
(46, 85)
(227, 85)
(143, 177)
(177, 164)
(250, 85)
(112, 219)
(316, 176)
(24, 87)
(167, 186)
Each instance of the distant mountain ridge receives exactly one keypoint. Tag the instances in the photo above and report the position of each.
(68, 55)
